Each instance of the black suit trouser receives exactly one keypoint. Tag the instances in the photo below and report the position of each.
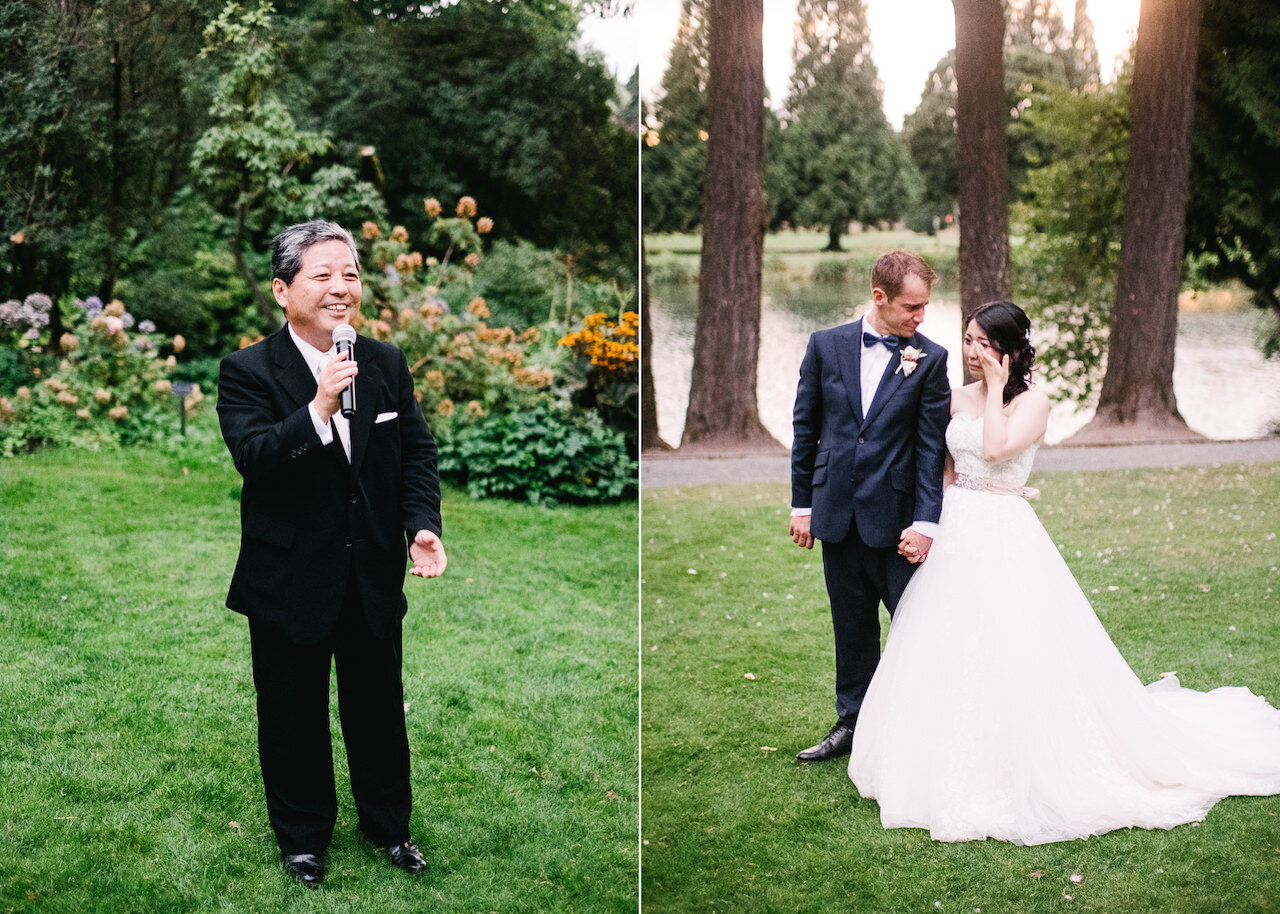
(294, 747)
(859, 578)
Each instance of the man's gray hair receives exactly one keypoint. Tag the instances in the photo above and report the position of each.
(288, 247)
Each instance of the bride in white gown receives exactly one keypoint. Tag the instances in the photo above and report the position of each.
(1000, 707)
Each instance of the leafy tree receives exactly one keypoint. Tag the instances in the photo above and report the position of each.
(474, 98)
(1065, 269)
(95, 133)
(1039, 54)
(249, 159)
(726, 348)
(1137, 398)
(675, 150)
(843, 160)
(1233, 215)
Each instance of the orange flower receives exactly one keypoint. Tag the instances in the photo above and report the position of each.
(475, 409)
(472, 260)
(164, 386)
(400, 234)
(484, 225)
(118, 412)
(180, 343)
(445, 407)
(467, 207)
(18, 237)
(69, 342)
(432, 206)
(478, 307)
(370, 230)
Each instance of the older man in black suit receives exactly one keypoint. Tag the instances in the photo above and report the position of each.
(331, 509)
(870, 421)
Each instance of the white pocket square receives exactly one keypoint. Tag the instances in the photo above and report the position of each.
(385, 417)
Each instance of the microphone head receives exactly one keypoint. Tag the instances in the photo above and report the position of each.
(344, 333)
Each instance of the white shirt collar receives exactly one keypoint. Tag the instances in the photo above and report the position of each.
(311, 354)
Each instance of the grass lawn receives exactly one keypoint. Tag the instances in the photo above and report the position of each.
(128, 756)
(800, 252)
(1182, 566)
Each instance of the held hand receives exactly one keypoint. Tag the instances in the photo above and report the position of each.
(800, 534)
(334, 378)
(427, 552)
(914, 545)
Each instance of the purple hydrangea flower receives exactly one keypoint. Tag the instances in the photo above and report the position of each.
(147, 327)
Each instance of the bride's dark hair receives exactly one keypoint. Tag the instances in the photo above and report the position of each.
(1008, 329)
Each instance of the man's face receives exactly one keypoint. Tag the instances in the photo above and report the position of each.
(325, 293)
(902, 314)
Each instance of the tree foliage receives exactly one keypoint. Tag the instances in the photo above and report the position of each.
(1233, 216)
(675, 148)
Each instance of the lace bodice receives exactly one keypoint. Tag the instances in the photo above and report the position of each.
(964, 441)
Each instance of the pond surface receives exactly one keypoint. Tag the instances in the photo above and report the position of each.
(1225, 389)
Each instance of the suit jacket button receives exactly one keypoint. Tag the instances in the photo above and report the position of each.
(862, 440)
(349, 543)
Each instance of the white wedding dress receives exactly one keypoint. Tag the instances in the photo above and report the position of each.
(1001, 708)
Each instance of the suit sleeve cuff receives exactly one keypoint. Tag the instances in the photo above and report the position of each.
(323, 429)
(801, 512)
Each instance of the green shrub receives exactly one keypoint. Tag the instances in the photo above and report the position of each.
(545, 454)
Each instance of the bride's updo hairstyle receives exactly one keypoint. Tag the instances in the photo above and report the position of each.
(1008, 329)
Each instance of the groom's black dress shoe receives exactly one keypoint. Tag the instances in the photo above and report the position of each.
(838, 742)
(306, 868)
(407, 857)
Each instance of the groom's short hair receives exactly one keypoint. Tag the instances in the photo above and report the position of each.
(892, 270)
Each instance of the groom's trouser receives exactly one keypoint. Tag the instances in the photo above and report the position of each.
(292, 682)
(860, 578)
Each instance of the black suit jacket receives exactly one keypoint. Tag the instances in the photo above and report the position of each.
(309, 519)
(878, 465)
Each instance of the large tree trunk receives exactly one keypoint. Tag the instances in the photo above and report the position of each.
(981, 154)
(649, 437)
(722, 397)
(834, 231)
(1137, 401)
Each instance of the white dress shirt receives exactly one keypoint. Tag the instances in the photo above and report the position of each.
(316, 360)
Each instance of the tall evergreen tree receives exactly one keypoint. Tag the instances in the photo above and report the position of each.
(843, 160)
(726, 349)
(1137, 399)
(675, 151)
(981, 118)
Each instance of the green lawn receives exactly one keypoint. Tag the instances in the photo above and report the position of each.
(1182, 566)
(128, 754)
(800, 253)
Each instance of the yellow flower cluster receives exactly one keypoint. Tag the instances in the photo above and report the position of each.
(608, 345)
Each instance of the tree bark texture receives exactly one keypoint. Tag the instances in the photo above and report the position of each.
(1137, 400)
(649, 437)
(722, 397)
(982, 154)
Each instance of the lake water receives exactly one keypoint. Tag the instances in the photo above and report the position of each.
(1225, 389)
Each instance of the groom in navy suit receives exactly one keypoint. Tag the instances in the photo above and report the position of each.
(870, 421)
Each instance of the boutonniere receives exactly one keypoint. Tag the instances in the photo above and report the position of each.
(910, 357)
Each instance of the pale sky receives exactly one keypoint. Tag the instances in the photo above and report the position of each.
(908, 38)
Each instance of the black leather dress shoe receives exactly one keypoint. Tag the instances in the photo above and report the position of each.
(838, 742)
(306, 868)
(407, 857)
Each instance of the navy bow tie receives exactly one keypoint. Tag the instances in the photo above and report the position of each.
(870, 339)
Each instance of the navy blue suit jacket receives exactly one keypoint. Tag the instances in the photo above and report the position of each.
(309, 519)
(878, 465)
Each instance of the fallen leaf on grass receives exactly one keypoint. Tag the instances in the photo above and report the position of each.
(749, 676)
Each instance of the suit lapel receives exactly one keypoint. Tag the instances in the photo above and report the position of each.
(367, 382)
(291, 368)
(849, 356)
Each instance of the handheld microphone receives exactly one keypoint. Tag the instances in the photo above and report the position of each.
(344, 338)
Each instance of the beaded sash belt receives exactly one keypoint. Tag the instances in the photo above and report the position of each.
(993, 486)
